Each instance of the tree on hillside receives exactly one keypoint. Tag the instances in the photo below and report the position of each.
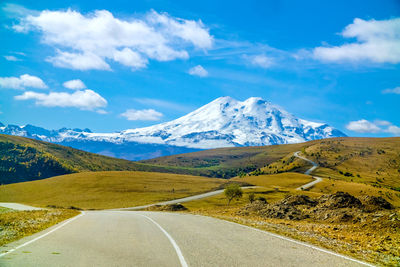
(233, 191)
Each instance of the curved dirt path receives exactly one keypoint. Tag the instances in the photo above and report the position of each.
(308, 172)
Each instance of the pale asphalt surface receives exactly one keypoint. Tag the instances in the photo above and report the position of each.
(308, 172)
(136, 238)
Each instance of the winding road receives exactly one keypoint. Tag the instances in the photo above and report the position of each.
(140, 238)
(182, 200)
(308, 172)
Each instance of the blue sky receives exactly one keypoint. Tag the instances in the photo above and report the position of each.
(137, 63)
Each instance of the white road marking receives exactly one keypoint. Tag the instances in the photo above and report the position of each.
(39, 237)
(294, 241)
(176, 247)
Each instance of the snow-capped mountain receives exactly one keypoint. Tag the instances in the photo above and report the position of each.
(225, 122)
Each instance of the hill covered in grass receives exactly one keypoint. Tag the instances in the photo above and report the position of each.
(375, 161)
(106, 190)
(24, 159)
(225, 162)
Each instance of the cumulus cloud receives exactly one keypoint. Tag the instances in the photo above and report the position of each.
(395, 90)
(91, 41)
(259, 60)
(363, 126)
(377, 126)
(142, 115)
(74, 84)
(84, 100)
(12, 58)
(198, 71)
(78, 61)
(22, 82)
(393, 130)
(377, 41)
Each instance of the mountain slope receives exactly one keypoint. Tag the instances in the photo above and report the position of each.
(24, 159)
(225, 122)
(374, 161)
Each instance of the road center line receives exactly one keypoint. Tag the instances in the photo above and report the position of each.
(176, 247)
(39, 237)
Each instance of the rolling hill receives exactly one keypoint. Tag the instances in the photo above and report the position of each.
(374, 161)
(106, 190)
(23, 159)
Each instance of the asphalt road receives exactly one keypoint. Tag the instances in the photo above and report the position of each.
(308, 172)
(182, 200)
(17, 206)
(136, 238)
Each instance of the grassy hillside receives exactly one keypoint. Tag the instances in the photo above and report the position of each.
(104, 190)
(375, 161)
(23, 159)
(225, 162)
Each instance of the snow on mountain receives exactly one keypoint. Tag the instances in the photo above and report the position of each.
(225, 122)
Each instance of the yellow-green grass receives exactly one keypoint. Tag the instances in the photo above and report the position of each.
(328, 186)
(371, 160)
(372, 239)
(272, 187)
(17, 224)
(289, 180)
(105, 190)
(225, 162)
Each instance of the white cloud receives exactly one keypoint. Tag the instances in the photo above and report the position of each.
(130, 58)
(85, 100)
(198, 71)
(90, 41)
(74, 84)
(78, 61)
(101, 111)
(363, 126)
(382, 122)
(142, 115)
(393, 130)
(22, 82)
(12, 58)
(259, 60)
(395, 90)
(163, 104)
(377, 126)
(378, 41)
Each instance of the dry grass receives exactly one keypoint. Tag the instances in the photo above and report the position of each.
(105, 190)
(375, 239)
(328, 186)
(289, 180)
(17, 224)
(368, 160)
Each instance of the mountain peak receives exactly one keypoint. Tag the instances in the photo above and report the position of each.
(224, 122)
